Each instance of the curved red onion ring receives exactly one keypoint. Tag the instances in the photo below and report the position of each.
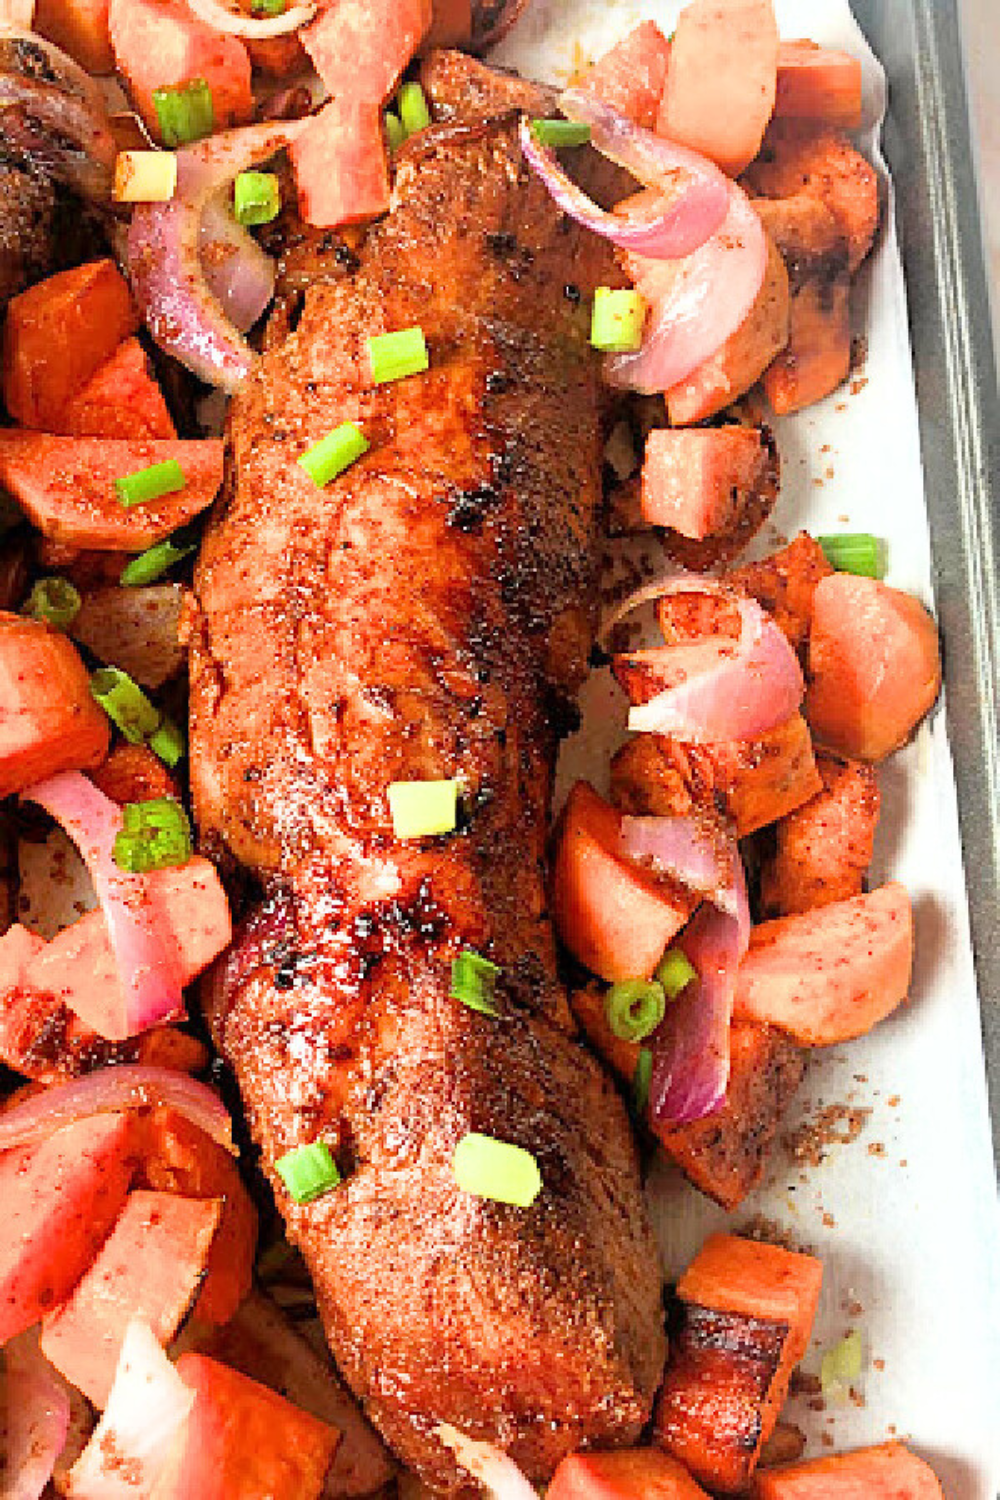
(145, 1411)
(148, 970)
(164, 261)
(698, 191)
(696, 304)
(495, 1470)
(256, 28)
(240, 275)
(691, 1047)
(754, 685)
(36, 1404)
(694, 851)
(65, 132)
(112, 1091)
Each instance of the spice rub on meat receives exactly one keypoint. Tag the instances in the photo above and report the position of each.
(427, 615)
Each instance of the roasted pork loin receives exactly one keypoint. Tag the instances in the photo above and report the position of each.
(426, 615)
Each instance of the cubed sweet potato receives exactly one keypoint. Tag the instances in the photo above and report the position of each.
(817, 358)
(614, 917)
(886, 1472)
(874, 666)
(823, 849)
(818, 83)
(628, 1474)
(340, 164)
(58, 334)
(785, 584)
(79, 27)
(163, 44)
(49, 720)
(724, 1155)
(149, 1267)
(802, 156)
(698, 480)
(831, 974)
(120, 400)
(631, 76)
(360, 48)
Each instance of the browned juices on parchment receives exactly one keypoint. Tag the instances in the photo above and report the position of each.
(426, 615)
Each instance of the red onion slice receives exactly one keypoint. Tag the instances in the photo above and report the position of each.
(240, 275)
(146, 1409)
(258, 28)
(34, 1419)
(753, 685)
(149, 970)
(495, 1470)
(691, 850)
(696, 303)
(698, 192)
(164, 260)
(111, 1091)
(691, 1047)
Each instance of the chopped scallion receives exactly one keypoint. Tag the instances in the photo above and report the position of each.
(184, 112)
(421, 809)
(156, 561)
(489, 1168)
(634, 1008)
(675, 972)
(841, 1366)
(125, 704)
(334, 453)
(394, 132)
(855, 552)
(154, 835)
(556, 133)
(641, 1080)
(308, 1172)
(392, 356)
(256, 198)
(150, 484)
(168, 742)
(472, 981)
(145, 177)
(54, 600)
(268, 7)
(617, 320)
(414, 115)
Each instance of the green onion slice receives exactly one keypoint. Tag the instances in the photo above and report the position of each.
(125, 704)
(855, 552)
(556, 133)
(54, 600)
(334, 453)
(641, 1080)
(393, 356)
(635, 1008)
(617, 320)
(394, 131)
(421, 809)
(472, 981)
(414, 115)
(168, 742)
(268, 7)
(675, 972)
(489, 1168)
(256, 198)
(308, 1172)
(158, 559)
(150, 484)
(841, 1366)
(153, 835)
(184, 112)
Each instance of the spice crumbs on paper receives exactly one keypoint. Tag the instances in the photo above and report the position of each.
(835, 1124)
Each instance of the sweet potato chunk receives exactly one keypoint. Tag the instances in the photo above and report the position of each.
(724, 1155)
(731, 1273)
(886, 1472)
(699, 481)
(801, 156)
(818, 83)
(710, 1411)
(49, 720)
(831, 974)
(631, 76)
(629, 1474)
(874, 663)
(785, 583)
(823, 849)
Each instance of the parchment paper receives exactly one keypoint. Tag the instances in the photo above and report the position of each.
(905, 1217)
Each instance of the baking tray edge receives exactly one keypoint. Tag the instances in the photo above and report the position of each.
(928, 145)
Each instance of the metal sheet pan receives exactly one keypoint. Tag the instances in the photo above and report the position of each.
(927, 142)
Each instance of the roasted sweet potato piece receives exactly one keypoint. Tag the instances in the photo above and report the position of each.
(587, 1006)
(628, 1474)
(823, 849)
(712, 487)
(801, 156)
(49, 720)
(886, 1472)
(818, 83)
(785, 583)
(724, 1155)
(751, 782)
(630, 77)
(743, 358)
(710, 1411)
